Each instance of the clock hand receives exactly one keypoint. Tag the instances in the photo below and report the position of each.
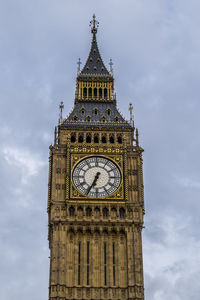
(94, 182)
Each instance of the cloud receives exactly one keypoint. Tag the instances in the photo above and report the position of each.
(155, 49)
(187, 182)
(171, 260)
(26, 163)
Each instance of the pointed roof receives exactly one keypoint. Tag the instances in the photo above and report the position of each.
(94, 65)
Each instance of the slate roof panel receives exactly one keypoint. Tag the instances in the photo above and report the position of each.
(105, 114)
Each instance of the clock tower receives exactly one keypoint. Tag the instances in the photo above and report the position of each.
(95, 193)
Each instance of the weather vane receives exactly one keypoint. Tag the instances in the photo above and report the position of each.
(79, 65)
(94, 24)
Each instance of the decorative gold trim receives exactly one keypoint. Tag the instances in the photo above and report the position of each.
(118, 194)
(95, 201)
(92, 149)
(74, 157)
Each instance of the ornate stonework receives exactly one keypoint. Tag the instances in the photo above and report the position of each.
(95, 242)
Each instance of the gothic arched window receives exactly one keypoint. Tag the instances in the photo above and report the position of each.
(88, 138)
(88, 212)
(122, 213)
(96, 111)
(73, 138)
(116, 119)
(100, 93)
(105, 93)
(105, 212)
(80, 138)
(88, 119)
(109, 112)
(103, 119)
(75, 118)
(119, 139)
(90, 92)
(112, 140)
(82, 110)
(96, 138)
(85, 92)
(71, 211)
(103, 139)
(95, 92)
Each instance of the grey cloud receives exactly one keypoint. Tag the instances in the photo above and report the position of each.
(155, 48)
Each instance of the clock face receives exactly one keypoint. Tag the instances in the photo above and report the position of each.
(96, 177)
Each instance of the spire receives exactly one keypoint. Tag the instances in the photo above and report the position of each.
(94, 64)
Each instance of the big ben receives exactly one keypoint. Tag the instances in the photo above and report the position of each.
(95, 193)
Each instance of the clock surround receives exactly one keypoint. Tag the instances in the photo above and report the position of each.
(96, 176)
(118, 159)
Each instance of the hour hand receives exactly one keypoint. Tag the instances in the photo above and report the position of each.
(95, 179)
(94, 182)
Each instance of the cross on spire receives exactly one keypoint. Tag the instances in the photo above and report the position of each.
(94, 24)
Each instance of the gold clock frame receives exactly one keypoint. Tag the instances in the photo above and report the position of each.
(76, 155)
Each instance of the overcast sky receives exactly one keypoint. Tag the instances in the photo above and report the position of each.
(155, 47)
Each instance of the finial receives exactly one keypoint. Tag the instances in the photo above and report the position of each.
(94, 24)
(131, 114)
(111, 66)
(61, 106)
(79, 65)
